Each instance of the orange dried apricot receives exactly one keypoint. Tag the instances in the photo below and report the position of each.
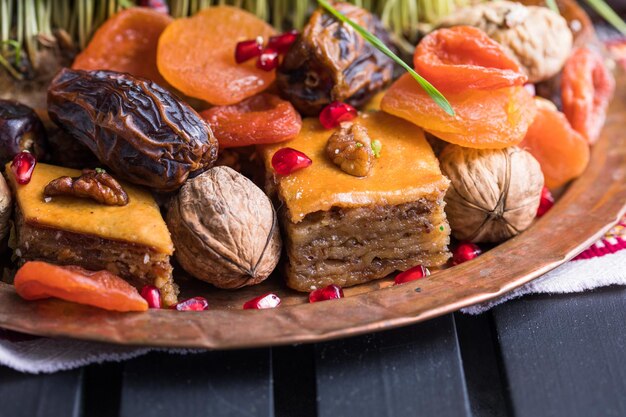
(197, 55)
(489, 119)
(562, 152)
(586, 89)
(127, 42)
(37, 280)
(464, 57)
(264, 118)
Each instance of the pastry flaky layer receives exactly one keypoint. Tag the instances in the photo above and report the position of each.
(356, 245)
(131, 241)
(346, 230)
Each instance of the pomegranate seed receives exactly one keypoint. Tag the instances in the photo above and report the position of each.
(287, 160)
(246, 50)
(336, 112)
(262, 302)
(546, 202)
(282, 42)
(268, 60)
(192, 304)
(465, 251)
(22, 166)
(411, 274)
(158, 5)
(152, 295)
(330, 292)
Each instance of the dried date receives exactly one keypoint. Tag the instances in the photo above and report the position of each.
(20, 130)
(142, 132)
(330, 61)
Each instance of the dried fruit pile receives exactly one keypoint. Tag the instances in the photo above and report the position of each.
(127, 42)
(481, 82)
(155, 103)
(197, 55)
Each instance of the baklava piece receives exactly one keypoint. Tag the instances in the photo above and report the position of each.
(346, 230)
(131, 241)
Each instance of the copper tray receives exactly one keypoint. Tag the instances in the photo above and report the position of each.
(590, 206)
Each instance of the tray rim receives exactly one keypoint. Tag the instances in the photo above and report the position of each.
(377, 310)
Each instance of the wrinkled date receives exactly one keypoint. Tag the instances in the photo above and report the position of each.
(331, 62)
(20, 130)
(142, 132)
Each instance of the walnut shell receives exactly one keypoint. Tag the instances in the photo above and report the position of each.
(538, 37)
(5, 208)
(224, 229)
(494, 193)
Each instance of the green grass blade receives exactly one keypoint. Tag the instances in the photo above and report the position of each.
(552, 6)
(608, 14)
(371, 38)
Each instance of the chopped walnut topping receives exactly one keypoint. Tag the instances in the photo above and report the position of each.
(350, 148)
(94, 184)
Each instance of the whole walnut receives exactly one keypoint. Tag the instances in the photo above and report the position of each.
(224, 229)
(5, 208)
(538, 37)
(494, 193)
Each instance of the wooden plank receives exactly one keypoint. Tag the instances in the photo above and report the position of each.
(102, 385)
(565, 355)
(403, 372)
(485, 387)
(293, 369)
(224, 384)
(26, 395)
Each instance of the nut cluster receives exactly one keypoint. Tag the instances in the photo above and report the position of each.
(350, 148)
(95, 184)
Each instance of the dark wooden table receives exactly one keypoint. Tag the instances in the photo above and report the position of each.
(559, 355)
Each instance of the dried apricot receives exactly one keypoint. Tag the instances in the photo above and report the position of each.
(562, 152)
(586, 89)
(127, 42)
(484, 118)
(463, 58)
(264, 118)
(197, 55)
(37, 280)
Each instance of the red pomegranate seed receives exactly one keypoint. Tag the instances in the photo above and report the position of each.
(465, 251)
(158, 5)
(192, 304)
(262, 302)
(22, 166)
(152, 295)
(330, 292)
(335, 113)
(411, 274)
(268, 60)
(246, 50)
(282, 42)
(546, 202)
(287, 160)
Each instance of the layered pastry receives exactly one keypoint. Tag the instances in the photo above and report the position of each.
(131, 241)
(344, 229)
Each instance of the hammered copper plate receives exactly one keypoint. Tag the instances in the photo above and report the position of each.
(591, 205)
